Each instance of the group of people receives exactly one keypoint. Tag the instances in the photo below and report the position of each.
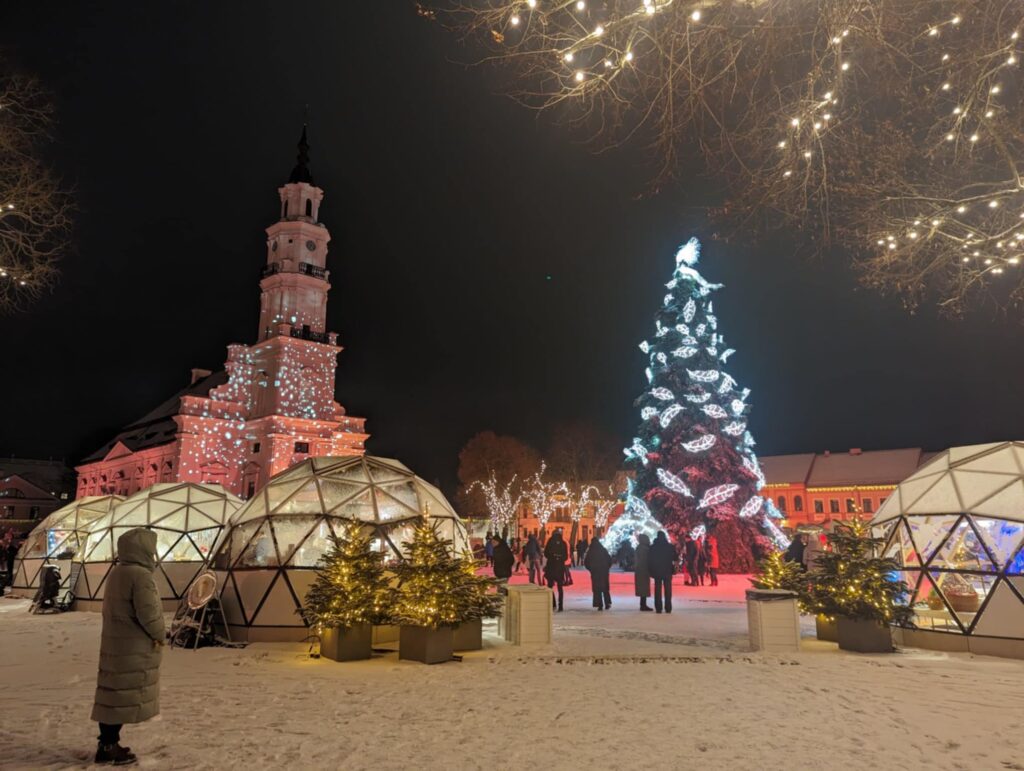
(804, 549)
(651, 562)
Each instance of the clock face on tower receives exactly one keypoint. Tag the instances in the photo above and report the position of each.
(311, 245)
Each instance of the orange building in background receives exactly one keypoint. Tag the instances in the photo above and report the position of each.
(811, 489)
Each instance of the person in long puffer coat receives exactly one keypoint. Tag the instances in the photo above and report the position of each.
(599, 562)
(128, 684)
(641, 575)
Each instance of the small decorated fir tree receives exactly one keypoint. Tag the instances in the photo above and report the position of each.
(434, 587)
(350, 587)
(851, 582)
(774, 572)
(483, 598)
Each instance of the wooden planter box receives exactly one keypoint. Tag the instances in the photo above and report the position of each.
(350, 643)
(864, 636)
(825, 629)
(468, 636)
(429, 646)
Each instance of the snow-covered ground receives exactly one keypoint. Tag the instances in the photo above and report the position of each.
(615, 690)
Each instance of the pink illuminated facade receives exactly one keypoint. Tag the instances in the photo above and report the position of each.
(273, 404)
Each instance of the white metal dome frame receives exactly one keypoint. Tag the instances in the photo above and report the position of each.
(57, 539)
(956, 526)
(188, 518)
(267, 559)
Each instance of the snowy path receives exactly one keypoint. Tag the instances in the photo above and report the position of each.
(618, 690)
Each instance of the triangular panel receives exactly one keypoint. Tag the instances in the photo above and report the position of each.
(252, 586)
(163, 586)
(301, 581)
(229, 600)
(912, 490)
(1002, 462)
(976, 487)
(940, 498)
(930, 531)
(1008, 503)
(962, 551)
(1003, 615)
(960, 454)
(278, 608)
(180, 575)
(1002, 537)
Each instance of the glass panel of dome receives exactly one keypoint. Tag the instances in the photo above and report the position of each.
(290, 532)
(1016, 566)
(316, 545)
(335, 493)
(359, 508)
(278, 491)
(204, 539)
(405, 492)
(98, 547)
(304, 501)
(354, 473)
(930, 611)
(165, 540)
(36, 545)
(260, 551)
(176, 521)
(55, 544)
(1002, 537)
(392, 510)
(183, 551)
(383, 474)
(177, 495)
(135, 509)
(240, 537)
(160, 510)
(964, 592)
(962, 551)
(928, 532)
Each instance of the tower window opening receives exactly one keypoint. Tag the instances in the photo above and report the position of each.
(309, 207)
(285, 210)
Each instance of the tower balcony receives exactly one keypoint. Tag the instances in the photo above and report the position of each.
(305, 268)
(302, 332)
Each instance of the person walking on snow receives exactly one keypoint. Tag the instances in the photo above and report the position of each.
(131, 646)
(599, 562)
(702, 561)
(489, 550)
(556, 554)
(532, 555)
(711, 554)
(661, 564)
(690, 554)
(641, 574)
(503, 560)
(581, 551)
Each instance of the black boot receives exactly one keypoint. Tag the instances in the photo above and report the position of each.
(644, 605)
(114, 754)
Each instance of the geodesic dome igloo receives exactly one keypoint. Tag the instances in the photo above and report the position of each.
(188, 519)
(956, 526)
(266, 562)
(56, 540)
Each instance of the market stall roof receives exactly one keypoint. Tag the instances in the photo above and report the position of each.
(983, 479)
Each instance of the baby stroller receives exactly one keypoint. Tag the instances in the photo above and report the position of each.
(48, 599)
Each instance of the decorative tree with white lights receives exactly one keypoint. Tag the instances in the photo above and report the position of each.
(693, 456)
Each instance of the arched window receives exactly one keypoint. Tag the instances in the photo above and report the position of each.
(798, 503)
(309, 207)
(782, 503)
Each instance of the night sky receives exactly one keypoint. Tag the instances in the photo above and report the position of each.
(489, 271)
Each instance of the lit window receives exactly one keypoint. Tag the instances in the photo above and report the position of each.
(782, 503)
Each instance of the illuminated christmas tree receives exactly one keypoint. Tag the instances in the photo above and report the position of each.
(350, 587)
(850, 581)
(435, 587)
(693, 457)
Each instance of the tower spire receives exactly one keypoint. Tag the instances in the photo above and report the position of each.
(301, 171)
